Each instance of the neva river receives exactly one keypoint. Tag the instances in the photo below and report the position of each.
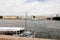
(43, 28)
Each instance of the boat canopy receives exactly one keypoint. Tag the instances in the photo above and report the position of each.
(11, 28)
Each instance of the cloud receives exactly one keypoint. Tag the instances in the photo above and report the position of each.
(50, 7)
(29, 1)
(33, 7)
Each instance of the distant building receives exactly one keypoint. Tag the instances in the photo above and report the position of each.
(39, 17)
(10, 17)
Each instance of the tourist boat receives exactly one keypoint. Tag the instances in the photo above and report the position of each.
(11, 30)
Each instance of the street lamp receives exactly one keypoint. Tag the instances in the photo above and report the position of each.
(26, 20)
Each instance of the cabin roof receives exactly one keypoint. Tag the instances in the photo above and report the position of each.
(11, 28)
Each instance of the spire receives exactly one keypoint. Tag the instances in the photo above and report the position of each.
(57, 15)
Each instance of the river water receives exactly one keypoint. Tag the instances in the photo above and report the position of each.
(43, 28)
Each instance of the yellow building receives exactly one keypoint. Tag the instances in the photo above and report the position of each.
(10, 17)
(40, 17)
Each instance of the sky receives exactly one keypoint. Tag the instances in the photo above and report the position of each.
(32, 7)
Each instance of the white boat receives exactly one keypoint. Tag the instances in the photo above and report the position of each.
(11, 30)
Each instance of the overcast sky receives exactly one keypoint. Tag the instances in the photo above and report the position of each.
(32, 7)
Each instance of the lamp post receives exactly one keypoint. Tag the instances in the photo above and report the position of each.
(26, 20)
